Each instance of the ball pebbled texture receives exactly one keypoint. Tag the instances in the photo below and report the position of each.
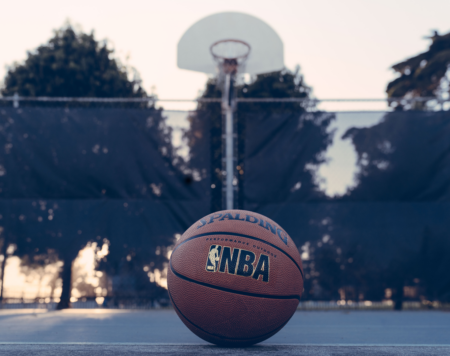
(235, 278)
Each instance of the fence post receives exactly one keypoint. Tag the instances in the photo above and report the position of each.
(16, 100)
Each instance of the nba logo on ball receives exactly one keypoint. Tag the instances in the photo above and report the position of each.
(213, 258)
(235, 278)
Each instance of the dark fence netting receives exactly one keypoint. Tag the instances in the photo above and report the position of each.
(406, 157)
(204, 139)
(71, 176)
(282, 152)
(389, 236)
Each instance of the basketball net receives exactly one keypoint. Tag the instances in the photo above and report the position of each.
(230, 56)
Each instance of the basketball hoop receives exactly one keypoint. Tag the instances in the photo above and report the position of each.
(230, 55)
(222, 43)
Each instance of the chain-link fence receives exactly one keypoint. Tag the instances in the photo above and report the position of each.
(106, 175)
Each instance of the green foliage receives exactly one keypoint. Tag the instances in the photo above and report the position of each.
(279, 85)
(71, 64)
(403, 158)
(67, 142)
(424, 75)
(283, 84)
(206, 126)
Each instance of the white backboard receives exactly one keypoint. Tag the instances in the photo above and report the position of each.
(266, 54)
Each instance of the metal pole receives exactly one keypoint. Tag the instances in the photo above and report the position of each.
(16, 100)
(229, 159)
(3, 251)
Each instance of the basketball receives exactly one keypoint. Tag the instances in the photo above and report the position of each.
(235, 278)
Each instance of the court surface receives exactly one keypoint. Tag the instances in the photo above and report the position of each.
(121, 332)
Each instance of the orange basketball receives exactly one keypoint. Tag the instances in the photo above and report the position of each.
(235, 278)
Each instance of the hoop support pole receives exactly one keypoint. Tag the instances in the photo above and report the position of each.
(229, 159)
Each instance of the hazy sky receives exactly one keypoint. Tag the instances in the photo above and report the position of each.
(345, 47)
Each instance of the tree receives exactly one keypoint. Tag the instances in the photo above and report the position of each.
(75, 64)
(432, 265)
(403, 158)
(77, 176)
(206, 126)
(72, 64)
(424, 75)
(3, 249)
(279, 85)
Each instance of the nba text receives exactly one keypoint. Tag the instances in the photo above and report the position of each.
(238, 262)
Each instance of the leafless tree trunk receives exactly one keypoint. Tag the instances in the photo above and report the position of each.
(2, 271)
(66, 276)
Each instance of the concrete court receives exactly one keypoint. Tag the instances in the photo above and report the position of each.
(122, 332)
